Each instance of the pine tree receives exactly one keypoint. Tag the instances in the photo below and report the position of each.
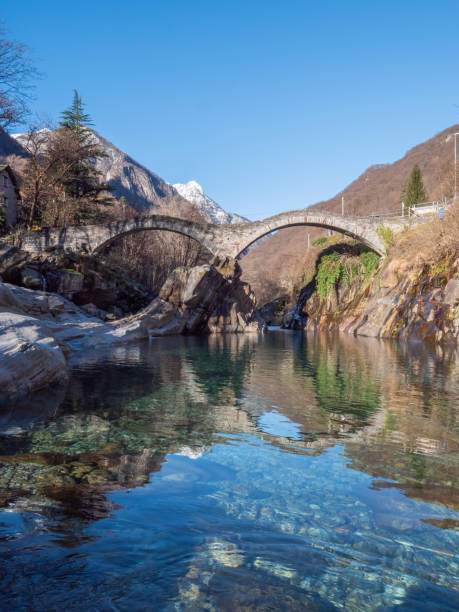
(414, 192)
(77, 150)
(75, 119)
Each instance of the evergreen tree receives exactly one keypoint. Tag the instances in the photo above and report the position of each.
(75, 175)
(414, 192)
(60, 182)
(75, 119)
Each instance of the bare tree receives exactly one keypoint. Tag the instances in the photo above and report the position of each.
(16, 80)
(151, 255)
(35, 185)
(46, 200)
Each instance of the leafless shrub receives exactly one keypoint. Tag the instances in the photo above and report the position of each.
(150, 255)
(16, 76)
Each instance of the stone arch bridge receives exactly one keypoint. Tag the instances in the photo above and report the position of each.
(228, 240)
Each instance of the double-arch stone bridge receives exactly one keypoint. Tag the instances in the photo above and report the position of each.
(228, 240)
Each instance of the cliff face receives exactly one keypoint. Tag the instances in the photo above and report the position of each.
(402, 300)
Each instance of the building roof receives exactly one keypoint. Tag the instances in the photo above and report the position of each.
(7, 168)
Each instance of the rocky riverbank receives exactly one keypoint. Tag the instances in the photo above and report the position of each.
(99, 287)
(41, 329)
(401, 299)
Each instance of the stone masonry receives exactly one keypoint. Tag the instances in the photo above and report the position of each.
(223, 241)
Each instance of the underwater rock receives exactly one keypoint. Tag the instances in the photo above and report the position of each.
(226, 553)
(276, 569)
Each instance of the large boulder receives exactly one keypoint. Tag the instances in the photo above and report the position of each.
(32, 278)
(202, 299)
(65, 282)
(30, 358)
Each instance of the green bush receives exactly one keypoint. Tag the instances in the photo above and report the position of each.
(320, 242)
(329, 273)
(386, 235)
(369, 261)
(336, 268)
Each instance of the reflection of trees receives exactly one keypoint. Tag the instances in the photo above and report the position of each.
(393, 407)
(343, 391)
(416, 442)
(343, 380)
(221, 364)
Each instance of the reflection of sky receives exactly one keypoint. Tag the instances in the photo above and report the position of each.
(278, 424)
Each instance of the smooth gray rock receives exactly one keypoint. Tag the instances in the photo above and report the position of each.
(32, 278)
(452, 292)
(30, 357)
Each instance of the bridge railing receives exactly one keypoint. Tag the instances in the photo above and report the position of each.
(417, 210)
(374, 215)
(429, 208)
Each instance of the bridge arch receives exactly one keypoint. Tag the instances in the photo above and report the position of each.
(348, 233)
(235, 239)
(94, 238)
(190, 229)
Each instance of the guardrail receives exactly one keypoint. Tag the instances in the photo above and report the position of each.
(372, 215)
(417, 210)
(428, 208)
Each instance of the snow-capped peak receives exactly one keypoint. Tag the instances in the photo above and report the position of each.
(194, 193)
(193, 186)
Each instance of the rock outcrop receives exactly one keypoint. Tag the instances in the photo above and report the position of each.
(402, 301)
(39, 329)
(81, 278)
(30, 357)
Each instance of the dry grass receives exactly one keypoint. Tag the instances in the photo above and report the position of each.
(433, 241)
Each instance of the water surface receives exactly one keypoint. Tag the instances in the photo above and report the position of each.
(291, 471)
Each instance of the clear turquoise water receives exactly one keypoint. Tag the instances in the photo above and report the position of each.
(288, 472)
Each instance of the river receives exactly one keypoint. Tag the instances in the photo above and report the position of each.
(291, 471)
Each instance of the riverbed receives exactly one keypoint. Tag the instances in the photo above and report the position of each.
(236, 472)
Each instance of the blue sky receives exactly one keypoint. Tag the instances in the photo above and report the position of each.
(270, 105)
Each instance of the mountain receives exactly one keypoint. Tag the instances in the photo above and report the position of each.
(10, 146)
(379, 188)
(280, 263)
(194, 193)
(143, 189)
